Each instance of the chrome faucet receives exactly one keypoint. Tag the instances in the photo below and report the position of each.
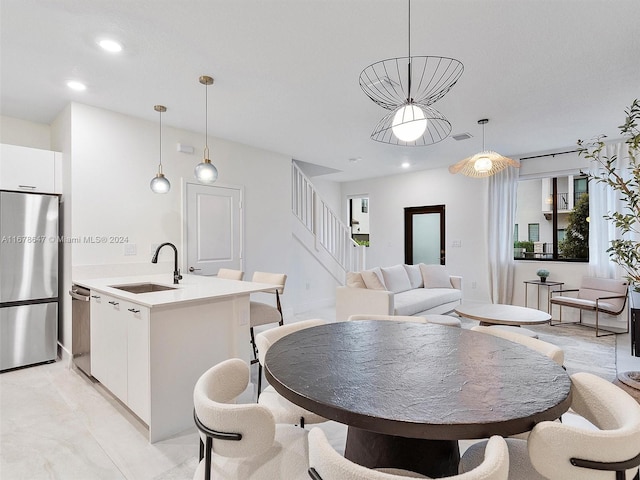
(176, 272)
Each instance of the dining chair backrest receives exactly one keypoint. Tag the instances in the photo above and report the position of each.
(265, 339)
(273, 278)
(556, 449)
(325, 463)
(213, 397)
(229, 274)
(552, 351)
(395, 318)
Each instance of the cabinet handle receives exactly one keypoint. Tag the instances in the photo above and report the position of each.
(95, 296)
(31, 187)
(133, 310)
(191, 269)
(114, 303)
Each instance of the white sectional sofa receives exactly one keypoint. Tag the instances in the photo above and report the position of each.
(399, 290)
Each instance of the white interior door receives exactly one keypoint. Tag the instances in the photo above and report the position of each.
(214, 233)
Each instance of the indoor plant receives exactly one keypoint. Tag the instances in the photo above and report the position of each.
(543, 274)
(624, 252)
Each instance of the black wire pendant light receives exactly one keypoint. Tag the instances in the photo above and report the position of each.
(408, 86)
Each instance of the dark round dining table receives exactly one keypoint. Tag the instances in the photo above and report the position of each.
(409, 391)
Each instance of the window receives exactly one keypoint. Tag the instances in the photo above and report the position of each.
(359, 220)
(555, 210)
(516, 235)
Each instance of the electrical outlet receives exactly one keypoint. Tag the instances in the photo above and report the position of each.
(154, 247)
(474, 284)
(130, 249)
(307, 285)
(456, 243)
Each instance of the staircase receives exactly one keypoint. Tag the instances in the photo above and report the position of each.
(320, 230)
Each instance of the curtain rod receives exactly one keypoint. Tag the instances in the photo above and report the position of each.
(549, 154)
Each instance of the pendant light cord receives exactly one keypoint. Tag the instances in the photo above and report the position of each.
(206, 121)
(409, 99)
(160, 166)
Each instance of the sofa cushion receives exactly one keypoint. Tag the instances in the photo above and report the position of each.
(421, 299)
(435, 276)
(396, 279)
(373, 279)
(415, 275)
(354, 280)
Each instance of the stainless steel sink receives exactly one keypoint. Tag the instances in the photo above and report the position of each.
(142, 287)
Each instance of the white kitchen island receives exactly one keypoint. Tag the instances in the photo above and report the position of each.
(149, 349)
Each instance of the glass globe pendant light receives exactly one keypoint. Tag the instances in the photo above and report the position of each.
(160, 183)
(205, 171)
(409, 123)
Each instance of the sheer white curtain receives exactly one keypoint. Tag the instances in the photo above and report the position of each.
(503, 189)
(603, 200)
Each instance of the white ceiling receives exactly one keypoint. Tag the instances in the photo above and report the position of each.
(545, 72)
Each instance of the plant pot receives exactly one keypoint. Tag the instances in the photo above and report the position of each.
(543, 279)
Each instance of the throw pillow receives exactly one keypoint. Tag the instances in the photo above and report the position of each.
(396, 279)
(415, 275)
(354, 280)
(435, 276)
(373, 279)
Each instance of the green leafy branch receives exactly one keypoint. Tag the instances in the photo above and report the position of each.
(625, 253)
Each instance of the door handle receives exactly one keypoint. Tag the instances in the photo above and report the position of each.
(191, 269)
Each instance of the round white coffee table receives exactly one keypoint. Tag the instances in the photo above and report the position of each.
(498, 314)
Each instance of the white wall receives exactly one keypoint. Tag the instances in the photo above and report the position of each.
(15, 131)
(109, 160)
(465, 201)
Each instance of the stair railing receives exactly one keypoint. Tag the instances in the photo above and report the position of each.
(328, 230)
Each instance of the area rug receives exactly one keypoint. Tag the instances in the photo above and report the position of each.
(583, 351)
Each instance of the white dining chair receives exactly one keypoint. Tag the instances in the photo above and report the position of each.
(261, 313)
(229, 274)
(242, 441)
(327, 464)
(283, 410)
(552, 351)
(559, 451)
(394, 318)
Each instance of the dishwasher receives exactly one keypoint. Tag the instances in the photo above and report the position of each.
(81, 327)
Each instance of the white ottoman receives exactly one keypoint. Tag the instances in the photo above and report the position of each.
(514, 329)
(443, 320)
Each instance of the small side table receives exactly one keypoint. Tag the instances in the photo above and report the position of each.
(547, 284)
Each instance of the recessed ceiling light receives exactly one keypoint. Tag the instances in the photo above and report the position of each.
(110, 45)
(406, 164)
(77, 86)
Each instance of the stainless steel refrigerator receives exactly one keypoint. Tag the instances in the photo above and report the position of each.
(29, 267)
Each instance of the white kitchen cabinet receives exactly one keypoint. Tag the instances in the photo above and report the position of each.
(30, 169)
(137, 318)
(109, 344)
(120, 350)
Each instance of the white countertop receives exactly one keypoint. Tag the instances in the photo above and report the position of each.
(192, 288)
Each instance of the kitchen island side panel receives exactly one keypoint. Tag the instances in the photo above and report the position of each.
(184, 343)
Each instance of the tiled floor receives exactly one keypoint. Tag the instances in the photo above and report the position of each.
(55, 423)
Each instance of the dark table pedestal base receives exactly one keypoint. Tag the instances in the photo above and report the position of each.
(435, 458)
